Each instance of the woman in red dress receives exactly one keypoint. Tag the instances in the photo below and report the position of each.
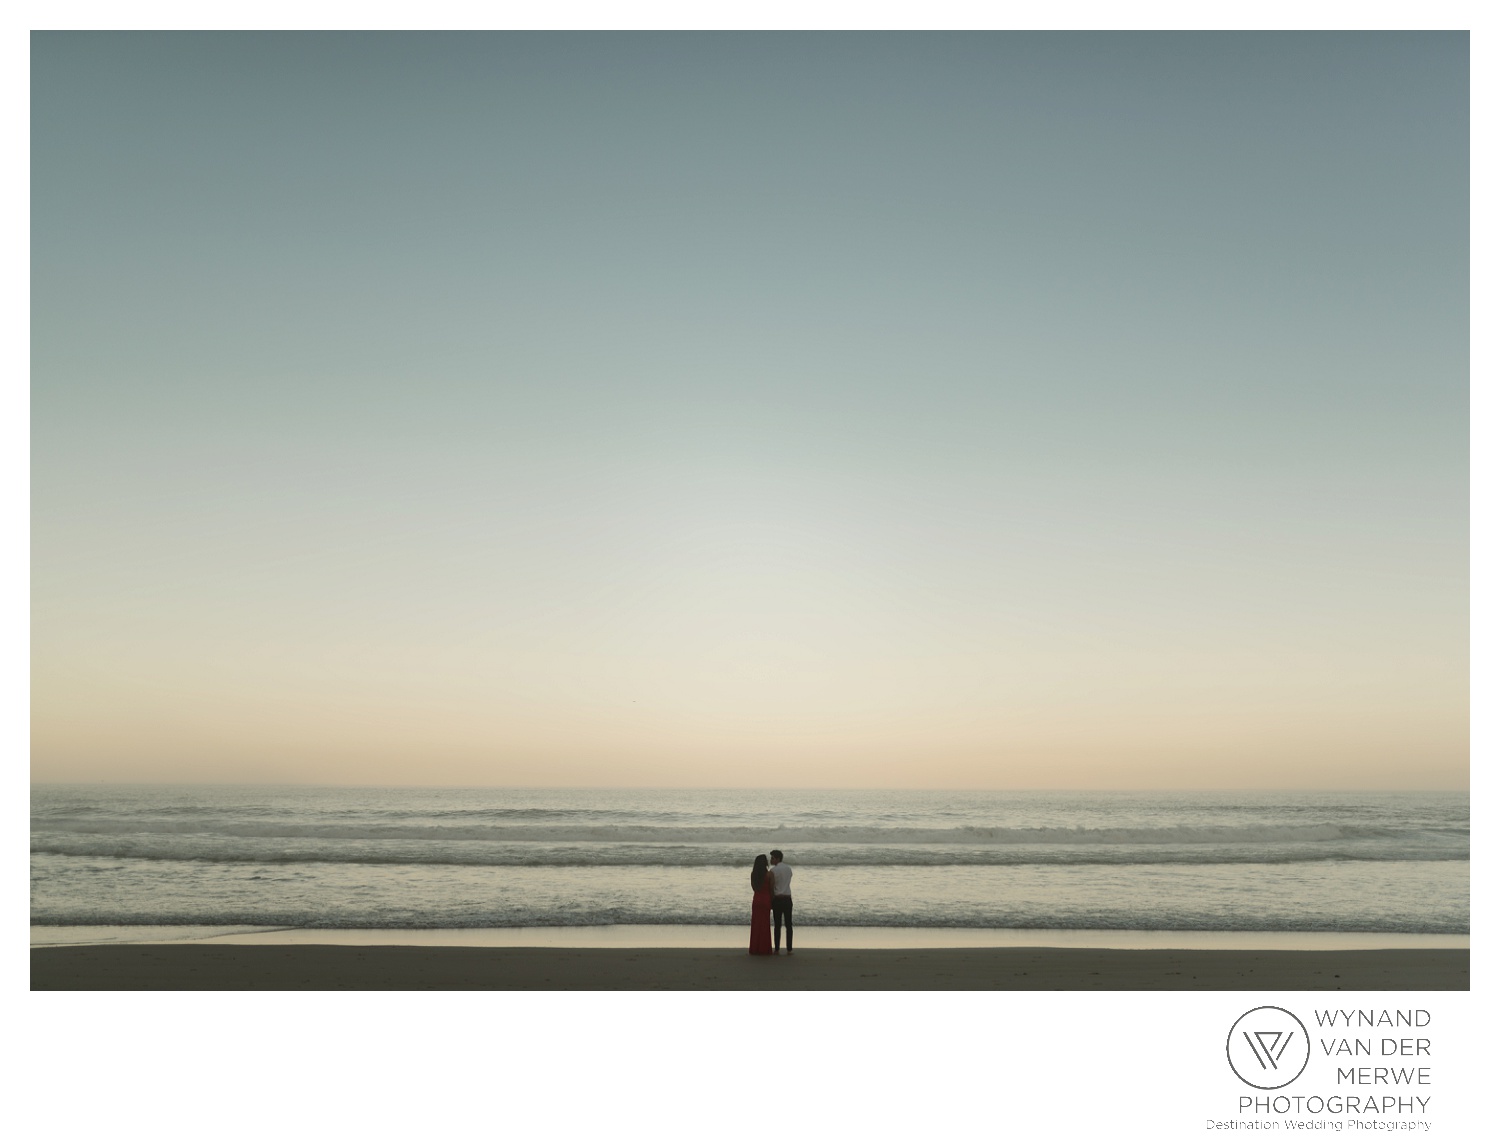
(760, 908)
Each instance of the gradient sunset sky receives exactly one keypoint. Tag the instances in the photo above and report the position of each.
(977, 410)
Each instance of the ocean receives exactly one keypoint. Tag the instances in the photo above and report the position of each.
(421, 858)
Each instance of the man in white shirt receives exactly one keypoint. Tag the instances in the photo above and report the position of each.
(781, 899)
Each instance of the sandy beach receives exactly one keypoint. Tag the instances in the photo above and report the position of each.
(284, 967)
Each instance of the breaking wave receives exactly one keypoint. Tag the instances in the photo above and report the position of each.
(807, 834)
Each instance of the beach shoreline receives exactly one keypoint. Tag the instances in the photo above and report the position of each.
(731, 937)
(288, 967)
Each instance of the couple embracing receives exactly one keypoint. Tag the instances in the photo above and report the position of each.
(773, 897)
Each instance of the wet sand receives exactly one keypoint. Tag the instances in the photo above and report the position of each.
(315, 967)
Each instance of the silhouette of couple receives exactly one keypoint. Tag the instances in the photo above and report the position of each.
(773, 897)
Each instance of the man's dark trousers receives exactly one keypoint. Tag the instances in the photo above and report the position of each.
(781, 908)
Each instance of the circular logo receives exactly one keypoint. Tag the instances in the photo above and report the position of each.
(1268, 1047)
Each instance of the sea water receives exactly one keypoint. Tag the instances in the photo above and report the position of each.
(503, 858)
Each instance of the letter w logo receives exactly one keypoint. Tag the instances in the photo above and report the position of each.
(1268, 1046)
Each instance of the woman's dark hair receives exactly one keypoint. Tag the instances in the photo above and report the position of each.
(758, 873)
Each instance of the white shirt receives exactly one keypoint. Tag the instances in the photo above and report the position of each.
(781, 879)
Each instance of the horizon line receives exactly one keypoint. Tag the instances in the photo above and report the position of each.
(736, 788)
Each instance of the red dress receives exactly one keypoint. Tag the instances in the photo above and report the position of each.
(760, 920)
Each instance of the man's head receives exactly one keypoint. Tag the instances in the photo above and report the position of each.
(775, 855)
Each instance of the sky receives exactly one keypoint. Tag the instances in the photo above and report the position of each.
(955, 410)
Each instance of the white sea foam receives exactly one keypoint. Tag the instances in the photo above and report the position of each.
(481, 854)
